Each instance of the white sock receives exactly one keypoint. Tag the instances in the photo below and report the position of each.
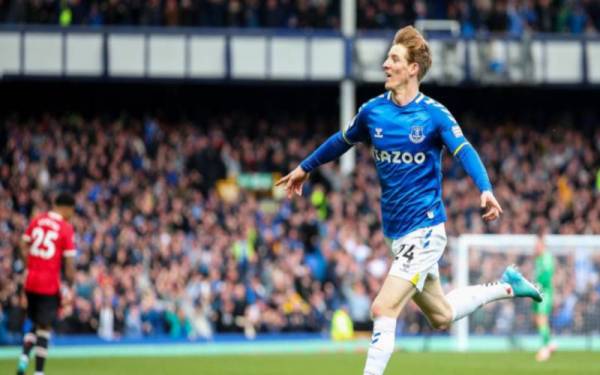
(382, 345)
(38, 373)
(468, 299)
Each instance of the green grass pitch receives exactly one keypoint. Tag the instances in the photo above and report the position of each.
(402, 363)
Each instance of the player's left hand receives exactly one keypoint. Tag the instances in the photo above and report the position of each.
(490, 207)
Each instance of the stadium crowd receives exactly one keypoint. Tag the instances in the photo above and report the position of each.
(168, 245)
(511, 16)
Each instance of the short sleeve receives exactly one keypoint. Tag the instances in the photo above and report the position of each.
(69, 249)
(357, 130)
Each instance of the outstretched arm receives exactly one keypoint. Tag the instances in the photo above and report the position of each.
(334, 147)
(330, 150)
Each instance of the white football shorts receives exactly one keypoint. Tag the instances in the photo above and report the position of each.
(416, 254)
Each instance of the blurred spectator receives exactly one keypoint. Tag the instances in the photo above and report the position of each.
(546, 16)
(341, 325)
(133, 323)
(106, 322)
(498, 19)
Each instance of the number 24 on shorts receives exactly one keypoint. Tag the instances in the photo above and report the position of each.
(406, 251)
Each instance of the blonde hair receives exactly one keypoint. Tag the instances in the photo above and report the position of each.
(417, 48)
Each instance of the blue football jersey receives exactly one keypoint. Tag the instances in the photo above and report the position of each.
(407, 144)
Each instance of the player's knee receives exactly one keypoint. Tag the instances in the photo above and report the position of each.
(30, 337)
(377, 309)
(441, 321)
(43, 332)
(439, 325)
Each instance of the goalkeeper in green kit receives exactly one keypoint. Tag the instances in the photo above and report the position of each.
(544, 272)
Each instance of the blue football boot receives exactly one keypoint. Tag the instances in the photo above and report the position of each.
(22, 366)
(520, 285)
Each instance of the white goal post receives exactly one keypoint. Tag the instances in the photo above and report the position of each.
(521, 244)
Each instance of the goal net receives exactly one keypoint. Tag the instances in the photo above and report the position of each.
(504, 325)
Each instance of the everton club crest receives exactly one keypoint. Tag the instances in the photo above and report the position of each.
(416, 134)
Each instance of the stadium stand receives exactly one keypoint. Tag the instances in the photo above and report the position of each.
(164, 250)
(502, 16)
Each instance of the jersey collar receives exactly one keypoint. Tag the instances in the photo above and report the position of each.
(416, 100)
(55, 215)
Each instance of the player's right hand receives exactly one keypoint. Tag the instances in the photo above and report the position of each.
(293, 181)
